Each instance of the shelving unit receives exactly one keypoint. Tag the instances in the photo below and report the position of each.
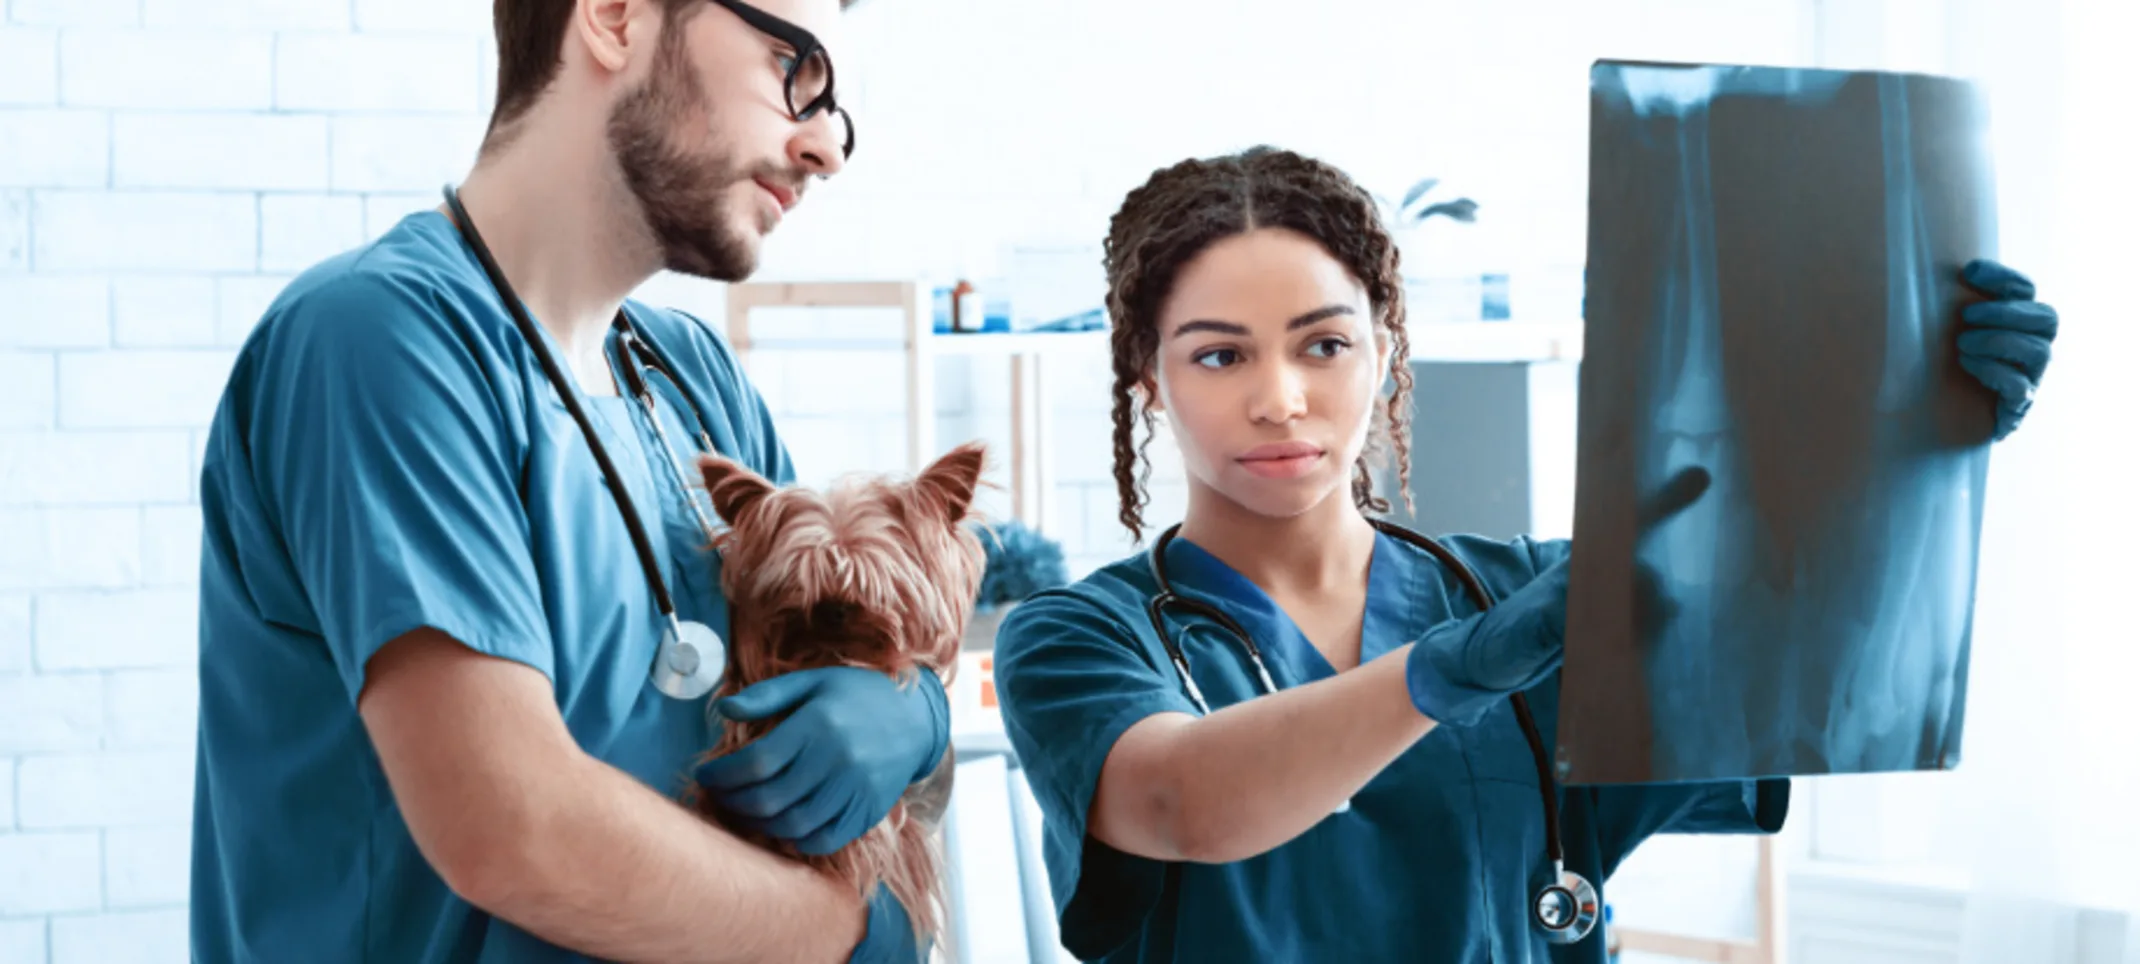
(1031, 486)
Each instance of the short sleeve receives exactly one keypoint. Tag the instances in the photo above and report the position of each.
(387, 459)
(1073, 677)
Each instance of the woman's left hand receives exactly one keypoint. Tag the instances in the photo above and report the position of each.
(2006, 342)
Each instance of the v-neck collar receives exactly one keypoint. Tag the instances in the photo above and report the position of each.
(1195, 571)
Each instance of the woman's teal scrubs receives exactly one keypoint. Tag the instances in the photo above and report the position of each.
(389, 455)
(1438, 857)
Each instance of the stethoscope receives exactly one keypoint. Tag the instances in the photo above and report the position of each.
(1567, 908)
(692, 658)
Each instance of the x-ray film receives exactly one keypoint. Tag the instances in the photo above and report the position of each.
(1780, 462)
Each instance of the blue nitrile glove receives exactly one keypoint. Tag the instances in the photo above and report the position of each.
(2006, 342)
(1464, 667)
(835, 767)
(890, 937)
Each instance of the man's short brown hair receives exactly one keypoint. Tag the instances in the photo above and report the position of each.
(531, 39)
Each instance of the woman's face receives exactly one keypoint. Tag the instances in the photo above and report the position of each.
(1268, 368)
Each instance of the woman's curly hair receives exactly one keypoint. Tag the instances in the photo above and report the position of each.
(1184, 209)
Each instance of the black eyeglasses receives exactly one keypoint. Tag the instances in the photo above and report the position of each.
(809, 79)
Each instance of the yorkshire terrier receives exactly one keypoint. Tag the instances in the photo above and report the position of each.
(874, 572)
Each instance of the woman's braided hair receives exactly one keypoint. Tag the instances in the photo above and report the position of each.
(1184, 209)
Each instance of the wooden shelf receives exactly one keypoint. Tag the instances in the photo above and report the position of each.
(918, 341)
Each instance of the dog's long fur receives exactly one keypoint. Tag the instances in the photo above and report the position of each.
(875, 572)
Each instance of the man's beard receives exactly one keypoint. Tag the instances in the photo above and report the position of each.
(679, 195)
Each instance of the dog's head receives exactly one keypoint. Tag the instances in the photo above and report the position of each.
(882, 571)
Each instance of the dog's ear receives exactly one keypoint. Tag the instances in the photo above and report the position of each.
(733, 486)
(946, 487)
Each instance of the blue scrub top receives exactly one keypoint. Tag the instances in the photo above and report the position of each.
(388, 455)
(1440, 854)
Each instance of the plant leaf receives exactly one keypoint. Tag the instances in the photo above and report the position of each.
(1418, 191)
(1462, 209)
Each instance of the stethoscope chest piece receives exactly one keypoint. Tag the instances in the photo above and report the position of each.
(691, 660)
(1566, 909)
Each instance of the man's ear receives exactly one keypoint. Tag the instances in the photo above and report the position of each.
(733, 486)
(947, 486)
(604, 29)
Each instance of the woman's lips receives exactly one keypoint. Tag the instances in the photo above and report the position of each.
(1281, 460)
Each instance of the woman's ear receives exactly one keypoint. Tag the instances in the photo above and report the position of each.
(1148, 395)
(733, 486)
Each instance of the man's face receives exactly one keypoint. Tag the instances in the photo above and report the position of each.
(707, 144)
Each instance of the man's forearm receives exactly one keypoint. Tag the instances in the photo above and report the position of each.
(614, 870)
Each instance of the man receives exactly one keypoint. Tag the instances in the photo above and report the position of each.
(433, 726)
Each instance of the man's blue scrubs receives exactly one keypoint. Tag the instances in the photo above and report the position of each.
(1438, 857)
(388, 455)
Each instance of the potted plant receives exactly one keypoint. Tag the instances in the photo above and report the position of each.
(1414, 209)
(1020, 563)
(1442, 282)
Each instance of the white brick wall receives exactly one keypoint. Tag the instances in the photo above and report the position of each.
(53, 311)
(14, 230)
(15, 626)
(22, 941)
(145, 231)
(29, 402)
(379, 72)
(166, 69)
(166, 166)
(67, 148)
(220, 151)
(49, 873)
(163, 311)
(127, 937)
(299, 230)
(247, 14)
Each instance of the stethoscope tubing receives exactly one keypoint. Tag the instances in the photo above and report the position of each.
(642, 543)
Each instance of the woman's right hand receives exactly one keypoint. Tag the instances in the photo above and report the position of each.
(1462, 668)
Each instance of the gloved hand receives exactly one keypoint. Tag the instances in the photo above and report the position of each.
(2007, 341)
(839, 763)
(890, 935)
(1464, 667)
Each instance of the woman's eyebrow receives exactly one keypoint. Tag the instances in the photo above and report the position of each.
(1239, 330)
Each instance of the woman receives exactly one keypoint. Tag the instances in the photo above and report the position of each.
(1383, 803)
